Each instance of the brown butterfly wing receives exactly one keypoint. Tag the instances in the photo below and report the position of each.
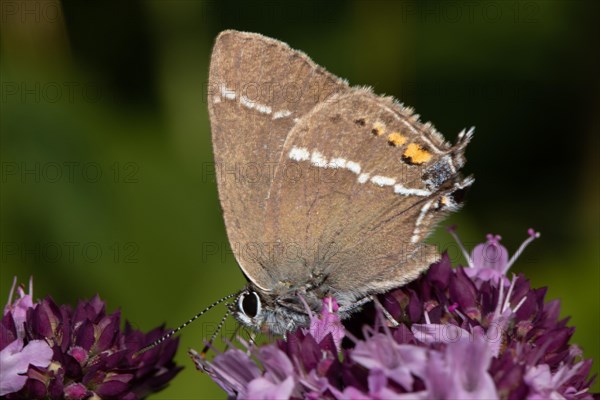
(360, 184)
(258, 89)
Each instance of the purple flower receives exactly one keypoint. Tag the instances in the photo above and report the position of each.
(76, 391)
(232, 370)
(544, 384)
(264, 389)
(15, 355)
(489, 260)
(51, 351)
(15, 360)
(19, 308)
(461, 370)
(378, 390)
(398, 362)
(327, 323)
(458, 333)
(315, 349)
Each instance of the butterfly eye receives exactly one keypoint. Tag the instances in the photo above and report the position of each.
(249, 304)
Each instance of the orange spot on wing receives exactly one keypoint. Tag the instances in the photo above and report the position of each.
(416, 154)
(396, 139)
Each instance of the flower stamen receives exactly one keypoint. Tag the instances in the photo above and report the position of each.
(452, 231)
(532, 236)
(510, 289)
(519, 304)
(427, 320)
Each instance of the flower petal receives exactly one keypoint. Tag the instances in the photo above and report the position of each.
(76, 391)
(263, 389)
(15, 360)
(276, 362)
(490, 255)
(439, 333)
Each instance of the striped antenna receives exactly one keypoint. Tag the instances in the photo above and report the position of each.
(214, 336)
(195, 317)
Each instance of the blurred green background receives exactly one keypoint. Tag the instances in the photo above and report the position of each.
(105, 141)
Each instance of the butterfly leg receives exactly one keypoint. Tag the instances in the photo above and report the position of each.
(354, 306)
(252, 338)
(288, 328)
(365, 300)
(385, 312)
(231, 338)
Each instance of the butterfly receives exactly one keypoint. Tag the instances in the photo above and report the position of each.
(326, 189)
